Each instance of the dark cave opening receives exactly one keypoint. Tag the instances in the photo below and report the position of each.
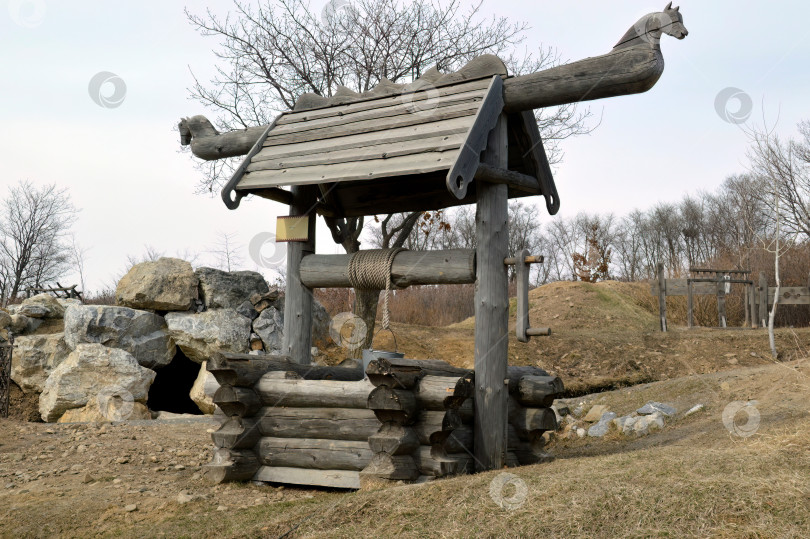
(170, 390)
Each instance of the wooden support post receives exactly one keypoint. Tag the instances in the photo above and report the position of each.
(763, 299)
(298, 301)
(662, 297)
(746, 306)
(491, 311)
(721, 300)
(690, 315)
(752, 300)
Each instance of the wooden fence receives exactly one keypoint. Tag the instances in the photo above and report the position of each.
(703, 281)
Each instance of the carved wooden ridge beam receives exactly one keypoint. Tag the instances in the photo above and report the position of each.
(633, 66)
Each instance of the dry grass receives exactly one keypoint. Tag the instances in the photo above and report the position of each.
(693, 479)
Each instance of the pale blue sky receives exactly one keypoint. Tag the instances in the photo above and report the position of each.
(124, 170)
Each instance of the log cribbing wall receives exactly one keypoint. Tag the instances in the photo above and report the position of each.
(324, 426)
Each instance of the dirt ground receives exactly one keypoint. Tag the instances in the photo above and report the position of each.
(696, 477)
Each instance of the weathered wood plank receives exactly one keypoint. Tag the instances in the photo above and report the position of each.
(367, 153)
(393, 405)
(678, 287)
(539, 390)
(394, 439)
(452, 266)
(372, 126)
(314, 453)
(400, 108)
(440, 466)
(790, 295)
(442, 392)
(307, 476)
(374, 168)
(313, 393)
(325, 423)
(387, 101)
(400, 135)
(393, 467)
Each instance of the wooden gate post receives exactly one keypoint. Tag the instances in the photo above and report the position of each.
(690, 313)
(752, 300)
(491, 310)
(662, 297)
(763, 299)
(298, 298)
(721, 299)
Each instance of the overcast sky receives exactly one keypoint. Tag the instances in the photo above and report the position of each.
(123, 166)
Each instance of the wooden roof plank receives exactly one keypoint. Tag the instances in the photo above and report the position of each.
(383, 102)
(366, 170)
(392, 136)
(364, 153)
(381, 124)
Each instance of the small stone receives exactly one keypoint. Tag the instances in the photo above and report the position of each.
(117, 481)
(581, 432)
(130, 508)
(222, 508)
(179, 467)
(183, 498)
(10, 485)
(732, 361)
(652, 407)
(641, 426)
(694, 409)
(595, 413)
(123, 460)
(87, 479)
(603, 426)
(656, 421)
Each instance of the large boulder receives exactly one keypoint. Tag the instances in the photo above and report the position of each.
(93, 371)
(21, 324)
(269, 326)
(166, 284)
(5, 319)
(34, 358)
(199, 335)
(106, 408)
(41, 306)
(229, 290)
(202, 392)
(141, 333)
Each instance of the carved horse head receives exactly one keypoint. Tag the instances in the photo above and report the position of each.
(195, 127)
(648, 29)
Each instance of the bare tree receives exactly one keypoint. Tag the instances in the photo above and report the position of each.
(34, 227)
(275, 51)
(226, 251)
(78, 257)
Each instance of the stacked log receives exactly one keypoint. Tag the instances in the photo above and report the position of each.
(327, 426)
(290, 423)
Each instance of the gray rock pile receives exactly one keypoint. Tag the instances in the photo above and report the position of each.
(97, 362)
(598, 420)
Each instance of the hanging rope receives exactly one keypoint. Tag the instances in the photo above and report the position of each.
(371, 270)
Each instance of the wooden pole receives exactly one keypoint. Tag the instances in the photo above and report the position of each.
(298, 301)
(721, 300)
(746, 306)
(690, 319)
(752, 300)
(763, 299)
(491, 311)
(662, 297)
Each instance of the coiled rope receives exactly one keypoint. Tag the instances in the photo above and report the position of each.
(371, 270)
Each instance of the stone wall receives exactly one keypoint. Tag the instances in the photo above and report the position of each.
(97, 362)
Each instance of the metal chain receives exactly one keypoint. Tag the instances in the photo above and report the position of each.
(371, 270)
